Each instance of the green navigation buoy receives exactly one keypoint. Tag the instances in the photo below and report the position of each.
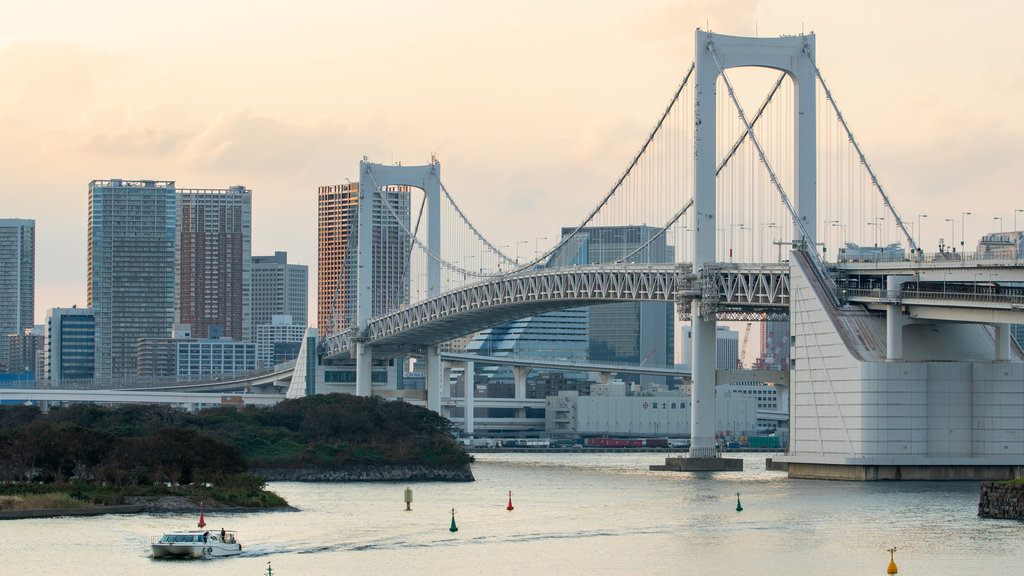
(738, 507)
(454, 528)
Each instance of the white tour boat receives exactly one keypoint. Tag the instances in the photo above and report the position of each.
(197, 543)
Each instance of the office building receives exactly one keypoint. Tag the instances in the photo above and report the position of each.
(639, 333)
(210, 356)
(212, 261)
(278, 341)
(131, 239)
(69, 349)
(278, 289)
(17, 279)
(726, 347)
(337, 227)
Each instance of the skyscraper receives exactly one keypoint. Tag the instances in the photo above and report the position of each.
(278, 289)
(213, 247)
(17, 279)
(131, 269)
(639, 333)
(338, 212)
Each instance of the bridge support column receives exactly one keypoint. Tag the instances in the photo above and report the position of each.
(894, 319)
(520, 373)
(705, 358)
(1002, 342)
(364, 369)
(433, 379)
(468, 379)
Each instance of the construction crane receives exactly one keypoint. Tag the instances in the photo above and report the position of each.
(743, 348)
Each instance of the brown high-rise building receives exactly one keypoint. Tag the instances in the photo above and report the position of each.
(337, 240)
(213, 259)
(336, 257)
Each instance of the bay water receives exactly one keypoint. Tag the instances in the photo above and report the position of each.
(574, 514)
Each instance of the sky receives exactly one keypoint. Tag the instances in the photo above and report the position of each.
(533, 108)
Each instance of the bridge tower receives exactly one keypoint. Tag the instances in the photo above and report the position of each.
(714, 54)
(373, 177)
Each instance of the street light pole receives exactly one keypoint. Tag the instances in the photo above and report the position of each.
(518, 242)
(828, 234)
(920, 233)
(764, 230)
(963, 229)
(1016, 241)
(536, 246)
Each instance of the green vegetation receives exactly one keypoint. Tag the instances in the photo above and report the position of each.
(97, 455)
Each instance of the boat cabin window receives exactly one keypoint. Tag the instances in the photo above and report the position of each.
(176, 538)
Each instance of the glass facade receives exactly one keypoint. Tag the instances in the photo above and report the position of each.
(17, 279)
(640, 333)
(70, 351)
(278, 289)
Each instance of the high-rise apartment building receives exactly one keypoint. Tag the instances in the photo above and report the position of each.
(69, 349)
(213, 248)
(278, 289)
(23, 349)
(17, 279)
(337, 224)
(131, 269)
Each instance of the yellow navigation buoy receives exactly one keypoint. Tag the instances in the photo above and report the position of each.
(408, 498)
(892, 562)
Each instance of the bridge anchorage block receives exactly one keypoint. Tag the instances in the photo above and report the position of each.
(699, 465)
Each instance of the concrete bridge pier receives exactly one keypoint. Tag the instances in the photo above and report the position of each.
(433, 379)
(520, 373)
(468, 380)
(1002, 342)
(895, 320)
(364, 369)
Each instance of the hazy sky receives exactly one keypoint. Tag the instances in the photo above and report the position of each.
(533, 107)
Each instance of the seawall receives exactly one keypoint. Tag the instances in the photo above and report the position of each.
(1001, 500)
(369, 473)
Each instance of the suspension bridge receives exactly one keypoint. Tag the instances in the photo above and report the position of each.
(891, 376)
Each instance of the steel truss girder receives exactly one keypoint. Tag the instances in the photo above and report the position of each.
(728, 292)
(653, 283)
(739, 291)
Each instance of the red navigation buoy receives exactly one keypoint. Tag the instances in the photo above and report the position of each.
(509, 508)
(202, 522)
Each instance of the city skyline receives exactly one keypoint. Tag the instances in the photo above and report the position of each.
(520, 121)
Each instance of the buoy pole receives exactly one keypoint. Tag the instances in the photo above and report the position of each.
(202, 523)
(408, 498)
(738, 507)
(510, 507)
(453, 528)
(892, 561)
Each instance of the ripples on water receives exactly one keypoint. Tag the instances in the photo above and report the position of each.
(589, 514)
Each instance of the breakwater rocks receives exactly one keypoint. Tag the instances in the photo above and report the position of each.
(1001, 500)
(369, 473)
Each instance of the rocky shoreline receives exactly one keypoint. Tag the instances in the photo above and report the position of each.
(1001, 500)
(369, 473)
